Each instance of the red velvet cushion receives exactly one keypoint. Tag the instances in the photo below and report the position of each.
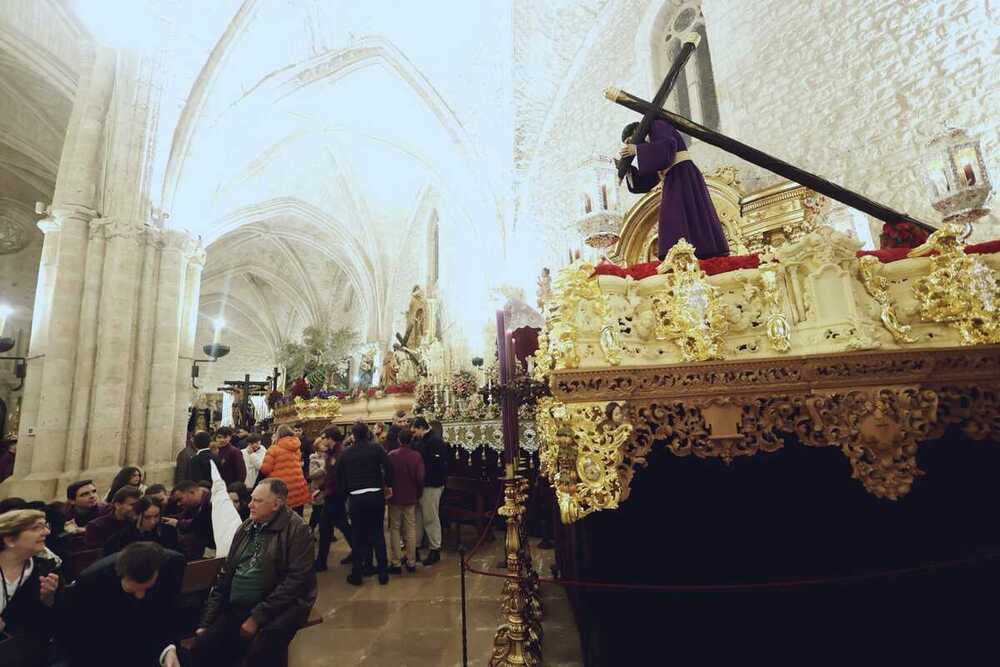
(886, 255)
(712, 266)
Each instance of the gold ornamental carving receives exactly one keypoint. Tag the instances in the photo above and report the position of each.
(576, 295)
(876, 407)
(583, 455)
(960, 289)
(878, 431)
(307, 409)
(878, 288)
(688, 309)
(776, 326)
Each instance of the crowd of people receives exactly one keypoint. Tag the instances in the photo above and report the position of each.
(359, 483)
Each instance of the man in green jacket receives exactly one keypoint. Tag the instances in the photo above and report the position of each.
(265, 590)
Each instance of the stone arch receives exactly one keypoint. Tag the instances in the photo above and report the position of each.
(350, 255)
(324, 67)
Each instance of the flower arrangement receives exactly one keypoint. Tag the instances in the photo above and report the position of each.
(901, 235)
(463, 383)
(300, 389)
(275, 398)
(423, 397)
(402, 388)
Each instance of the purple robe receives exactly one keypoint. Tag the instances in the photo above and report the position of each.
(686, 210)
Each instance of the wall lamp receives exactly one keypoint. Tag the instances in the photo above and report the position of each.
(7, 344)
(214, 350)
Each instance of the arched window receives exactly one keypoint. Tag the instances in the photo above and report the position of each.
(694, 94)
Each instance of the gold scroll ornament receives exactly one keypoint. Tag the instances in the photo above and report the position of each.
(960, 289)
(878, 288)
(575, 291)
(688, 309)
(582, 455)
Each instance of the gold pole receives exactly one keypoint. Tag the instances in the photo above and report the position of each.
(518, 639)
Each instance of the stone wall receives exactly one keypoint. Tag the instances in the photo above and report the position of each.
(246, 356)
(18, 277)
(852, 91)
(855, 91)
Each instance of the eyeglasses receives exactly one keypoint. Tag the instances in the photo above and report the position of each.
(39, 526)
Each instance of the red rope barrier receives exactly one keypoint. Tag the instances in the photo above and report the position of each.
(716, 588)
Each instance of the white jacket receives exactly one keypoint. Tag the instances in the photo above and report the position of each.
(253, 462)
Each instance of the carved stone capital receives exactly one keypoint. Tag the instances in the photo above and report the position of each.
(49, 225)
(111, 229)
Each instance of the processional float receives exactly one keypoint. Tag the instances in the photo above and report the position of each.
(810, 342)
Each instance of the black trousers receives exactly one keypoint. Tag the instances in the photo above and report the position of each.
(334, 516)
(367, 522)
(221, 645)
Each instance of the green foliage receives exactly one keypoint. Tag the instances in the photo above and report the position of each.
(319, 355)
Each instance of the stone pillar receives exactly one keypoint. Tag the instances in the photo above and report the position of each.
(86, 349)
(189, 328)
(114, 292)
(143, 359)
(166, 347)
(122, 270)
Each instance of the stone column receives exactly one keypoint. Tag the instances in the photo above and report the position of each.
(86, 349)
(106, 427)
(189, 328)
(143, 359)
(113, 294)
(166, 346)
(39, 333)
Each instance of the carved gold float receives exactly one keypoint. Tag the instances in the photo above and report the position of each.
(816, 347)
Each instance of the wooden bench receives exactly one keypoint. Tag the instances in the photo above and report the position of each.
(200, 575)
(78, 561)
(468, 501)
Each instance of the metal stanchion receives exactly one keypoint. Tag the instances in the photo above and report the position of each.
(465, 633)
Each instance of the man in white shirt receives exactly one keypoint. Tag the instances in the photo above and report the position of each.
(253, 458)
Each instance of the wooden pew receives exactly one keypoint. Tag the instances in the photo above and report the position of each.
(78, 561)
(200, 575)
(468, 501)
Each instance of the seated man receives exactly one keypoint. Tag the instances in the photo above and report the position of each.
(123, 607)
(103, 528)
(159, 493)
(194, 526)
(264, 591)
(82, 505)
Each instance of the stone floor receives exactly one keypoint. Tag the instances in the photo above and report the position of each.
(415, 621)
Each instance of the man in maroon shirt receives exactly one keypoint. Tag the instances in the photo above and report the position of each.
(231, 465)
(407, 486)
(103, 528)
(82, 505)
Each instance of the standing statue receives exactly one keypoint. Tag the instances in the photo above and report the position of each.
(686, 210)
(366, 371)
(544, 288)
(389, 369)
(416, 317)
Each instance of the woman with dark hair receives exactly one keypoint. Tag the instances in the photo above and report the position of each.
(147, 527)
(240, 495)
(127, 476)
(29, 581)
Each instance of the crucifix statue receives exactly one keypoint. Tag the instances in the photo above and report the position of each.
(243, 410)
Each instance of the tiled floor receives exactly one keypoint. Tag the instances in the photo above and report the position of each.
(415, 621)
